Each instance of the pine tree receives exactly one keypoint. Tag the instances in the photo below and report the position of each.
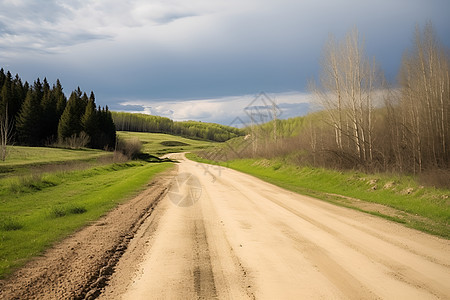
(107, 137)
(2, 77)
(50, 118)
(6, 93)
(38, 90)
(83, 104)
(70, 122)
(61, 99)
(29, 121)
(110, 129)
(18, 96)
(90, 122)
(5, 97)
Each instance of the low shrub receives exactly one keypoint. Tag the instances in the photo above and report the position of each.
(173, 143)
(119, 157)
(438, 178)
(77, 210)
(33, 182)
(10, 224)
(76, 141)
(131, 148)
(58, 212)
(62, 211)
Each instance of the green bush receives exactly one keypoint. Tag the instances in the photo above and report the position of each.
(76, 210)
(10, 224)
(173, 143)
(29, 183)
(58, 212)
(61, 211)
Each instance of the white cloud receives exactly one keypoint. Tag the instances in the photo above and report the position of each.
(52, 25)
(223, 110)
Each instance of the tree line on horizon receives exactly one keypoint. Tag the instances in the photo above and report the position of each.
(41, 115)
(191, 129)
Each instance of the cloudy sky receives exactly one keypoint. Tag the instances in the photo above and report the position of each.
(200, 59)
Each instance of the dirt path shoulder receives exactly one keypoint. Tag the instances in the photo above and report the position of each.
(80, 266)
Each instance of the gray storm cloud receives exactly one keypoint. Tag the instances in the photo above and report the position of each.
(198, 49)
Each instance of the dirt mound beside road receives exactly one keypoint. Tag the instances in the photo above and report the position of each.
(80, 266)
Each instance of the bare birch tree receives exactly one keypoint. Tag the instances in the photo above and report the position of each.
(6, 130)
(347, 83)
(425, 101)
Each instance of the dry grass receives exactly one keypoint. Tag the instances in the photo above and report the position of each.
(437, 178)
(131, 147)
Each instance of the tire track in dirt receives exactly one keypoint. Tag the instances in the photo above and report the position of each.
(232, 278)
(203, 275)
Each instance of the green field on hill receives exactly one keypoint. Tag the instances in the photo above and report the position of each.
(21, 155)
(159, 143)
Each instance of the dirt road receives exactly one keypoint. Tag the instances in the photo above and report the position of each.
(223, 234)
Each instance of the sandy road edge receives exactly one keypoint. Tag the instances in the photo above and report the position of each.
(80, 266)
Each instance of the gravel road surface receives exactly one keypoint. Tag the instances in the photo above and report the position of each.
(222, 234)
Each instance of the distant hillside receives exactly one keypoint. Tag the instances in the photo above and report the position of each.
(192, 129)
(291, 127)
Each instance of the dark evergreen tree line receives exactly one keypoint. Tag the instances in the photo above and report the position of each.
(43, 115)
(191, 129)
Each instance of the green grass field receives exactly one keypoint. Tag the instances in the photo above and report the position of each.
(20, 156)
(159, 143)
(423, 208)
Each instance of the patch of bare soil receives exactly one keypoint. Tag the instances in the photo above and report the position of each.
(80, 266)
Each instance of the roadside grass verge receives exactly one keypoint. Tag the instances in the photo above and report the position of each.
(397, 198)
(35, 213)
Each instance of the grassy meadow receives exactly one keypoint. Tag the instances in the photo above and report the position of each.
(23, 159)
(160, 143)
(20, 155)
(398, 198)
